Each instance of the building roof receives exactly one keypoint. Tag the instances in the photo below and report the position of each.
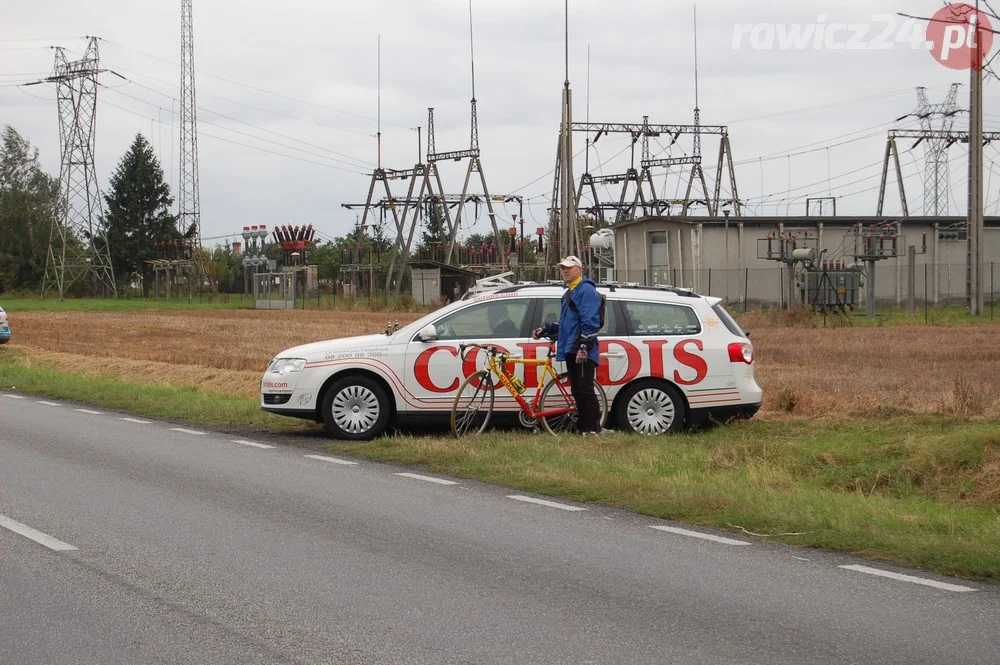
(428, 264)
(840, 221)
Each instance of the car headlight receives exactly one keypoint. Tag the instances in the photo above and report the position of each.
(282, 366)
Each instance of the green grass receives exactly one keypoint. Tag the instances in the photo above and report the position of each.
(919, 491)
(53, 304)
(188, 403)
(915, 490)
(884, 317)
(14, 303)
(949, 315)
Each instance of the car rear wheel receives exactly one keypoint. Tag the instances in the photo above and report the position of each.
(356, 408)
(651, 408)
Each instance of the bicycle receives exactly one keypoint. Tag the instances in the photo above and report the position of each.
(552, 405)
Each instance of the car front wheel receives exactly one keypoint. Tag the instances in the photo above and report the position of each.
(651, 408)
(356, 408)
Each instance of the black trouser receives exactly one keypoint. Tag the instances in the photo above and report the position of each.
(581, 381)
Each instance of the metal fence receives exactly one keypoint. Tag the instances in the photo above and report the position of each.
(896, 285)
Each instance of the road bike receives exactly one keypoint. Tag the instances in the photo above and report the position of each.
(552, 405)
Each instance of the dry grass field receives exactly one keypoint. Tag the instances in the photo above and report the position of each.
(806, 372)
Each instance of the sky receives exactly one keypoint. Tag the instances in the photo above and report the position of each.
(291, 96)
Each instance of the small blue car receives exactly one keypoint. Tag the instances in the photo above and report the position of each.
(4, 327)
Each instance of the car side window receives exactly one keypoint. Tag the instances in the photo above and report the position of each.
(652, 318)
(488, 320)
(551, 307)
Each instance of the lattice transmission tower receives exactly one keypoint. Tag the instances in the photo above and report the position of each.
(78, 244)
(936, 182)
(189, 195)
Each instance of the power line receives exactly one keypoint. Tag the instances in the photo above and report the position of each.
(245, 145)
(247, 134)
(361, 162)
(821, 145)
(251, 87)
(820, 107)
(243, 104)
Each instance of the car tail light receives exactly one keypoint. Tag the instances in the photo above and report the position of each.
(741, 352)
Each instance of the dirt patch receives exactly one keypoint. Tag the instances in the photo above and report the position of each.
(224, 339)
(806, 372)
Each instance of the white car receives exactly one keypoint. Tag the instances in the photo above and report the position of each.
(4, 327)
(670, 358)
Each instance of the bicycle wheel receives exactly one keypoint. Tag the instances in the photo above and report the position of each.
(553, 398)
(473, 406)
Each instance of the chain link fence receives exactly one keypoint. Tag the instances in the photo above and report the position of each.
(897, 284)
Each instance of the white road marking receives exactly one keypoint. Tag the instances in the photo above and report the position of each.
(186, 431)
(35, 535)
(698, 534)
(93, 413)
(439, 481)
(14, 396)
(47, 403)
(908, 578)
(334, 460)
(543, 502)
(252, 444)
(136, 421)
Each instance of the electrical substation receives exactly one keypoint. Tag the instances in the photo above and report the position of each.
(414, 232)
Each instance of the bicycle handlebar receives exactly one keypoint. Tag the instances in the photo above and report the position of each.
(493, 350)
(489, 348)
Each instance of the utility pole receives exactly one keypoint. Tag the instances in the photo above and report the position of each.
(568, 236)
(974, 257)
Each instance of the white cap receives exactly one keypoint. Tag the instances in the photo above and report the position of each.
(571, 261)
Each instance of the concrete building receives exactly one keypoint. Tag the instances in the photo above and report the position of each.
(729, 257)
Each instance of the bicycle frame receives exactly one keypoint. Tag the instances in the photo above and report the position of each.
(495, 363)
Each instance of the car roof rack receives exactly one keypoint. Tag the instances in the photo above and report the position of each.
(611, 286)
(687, 293)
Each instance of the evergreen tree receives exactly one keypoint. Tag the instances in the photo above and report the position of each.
(137, 214)
(434, 225)
(29, 202)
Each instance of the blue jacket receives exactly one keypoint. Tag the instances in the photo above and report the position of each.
(580, 324)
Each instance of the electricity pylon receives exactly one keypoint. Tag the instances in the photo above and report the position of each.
(78, 244)
(936, 149)
(189, 198)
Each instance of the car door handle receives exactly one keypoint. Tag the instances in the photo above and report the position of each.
(612, 355)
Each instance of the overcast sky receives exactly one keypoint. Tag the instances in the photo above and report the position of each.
(288, 95)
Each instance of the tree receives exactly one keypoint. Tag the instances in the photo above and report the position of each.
(137, 214)
(434, 225)
(29, 203)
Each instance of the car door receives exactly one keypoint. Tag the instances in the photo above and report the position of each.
(434, 370)
(612, 338)
(674, 345)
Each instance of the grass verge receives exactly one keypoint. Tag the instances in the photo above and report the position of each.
(921, 491)
(53, 304)
(19, 372)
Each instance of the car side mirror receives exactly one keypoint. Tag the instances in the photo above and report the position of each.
(427, 334)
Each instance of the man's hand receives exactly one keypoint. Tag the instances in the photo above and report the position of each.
(581, 353)
(537, 333)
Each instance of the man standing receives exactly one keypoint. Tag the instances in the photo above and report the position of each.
(577, 346)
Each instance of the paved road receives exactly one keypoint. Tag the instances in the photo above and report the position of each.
(191, 548)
